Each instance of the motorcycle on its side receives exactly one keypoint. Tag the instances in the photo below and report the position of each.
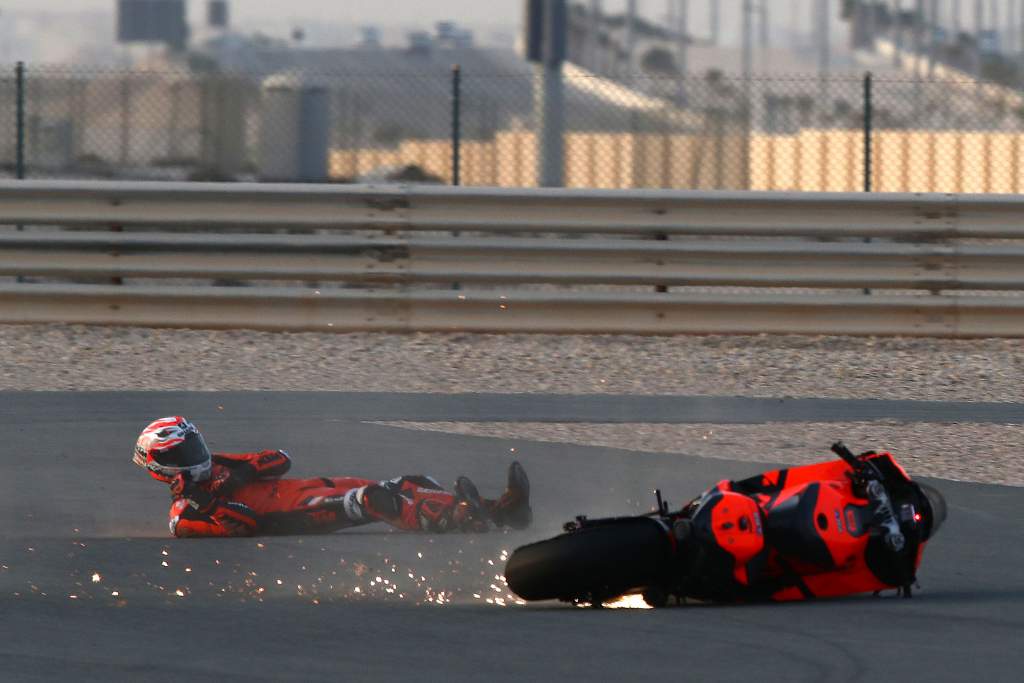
(854, 525)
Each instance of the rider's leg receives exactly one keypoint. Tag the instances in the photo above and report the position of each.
(417, 503)
(512, 509)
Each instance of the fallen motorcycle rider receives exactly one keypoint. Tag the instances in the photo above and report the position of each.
(243, 494)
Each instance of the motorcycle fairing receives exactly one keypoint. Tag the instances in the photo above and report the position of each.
(814, 534)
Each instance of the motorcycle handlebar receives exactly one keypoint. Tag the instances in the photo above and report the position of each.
(840, 449)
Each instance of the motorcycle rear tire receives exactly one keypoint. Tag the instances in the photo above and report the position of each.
(592, 564)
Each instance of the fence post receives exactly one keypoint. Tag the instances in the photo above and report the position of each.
(456, 121)
(19, 93)
(867, 143)
(867, 132)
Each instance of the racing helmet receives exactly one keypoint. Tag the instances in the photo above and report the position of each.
(171, 446)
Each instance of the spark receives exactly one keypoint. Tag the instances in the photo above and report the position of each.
(180, 593)
(188, 570)
(512, 450)
(357, 590)
(164, 563)
(260, 545)
(163, 552)
(96, 577)
(634, 601)
(419, 555)
(279, 582)
(73, 597)
(114, 593)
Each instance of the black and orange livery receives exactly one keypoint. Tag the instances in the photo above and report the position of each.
(848, 526)
(804, 532)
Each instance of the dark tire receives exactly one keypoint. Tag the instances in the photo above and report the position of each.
(594, 563)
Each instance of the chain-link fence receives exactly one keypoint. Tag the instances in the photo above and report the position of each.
(481, 125)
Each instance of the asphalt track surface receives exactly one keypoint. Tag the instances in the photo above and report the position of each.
(72, 506)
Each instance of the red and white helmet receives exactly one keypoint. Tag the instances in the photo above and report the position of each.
(170, 446)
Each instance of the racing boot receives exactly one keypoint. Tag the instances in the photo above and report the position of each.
(513, 508)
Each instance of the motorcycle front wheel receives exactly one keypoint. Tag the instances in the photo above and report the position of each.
(593, 564)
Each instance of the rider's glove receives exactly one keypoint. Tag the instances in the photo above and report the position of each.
(198, 499)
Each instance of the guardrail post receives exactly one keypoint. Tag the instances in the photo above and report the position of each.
(456, 121)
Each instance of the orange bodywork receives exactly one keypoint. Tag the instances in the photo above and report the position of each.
(814, 542)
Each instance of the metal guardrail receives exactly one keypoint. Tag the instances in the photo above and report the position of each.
(572, 246)
(364, 260)
(426, 207)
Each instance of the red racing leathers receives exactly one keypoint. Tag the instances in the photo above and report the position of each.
(245, 496)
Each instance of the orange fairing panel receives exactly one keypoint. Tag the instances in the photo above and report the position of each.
(738, 529)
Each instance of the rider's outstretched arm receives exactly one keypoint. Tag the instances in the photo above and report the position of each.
(260, 465)
(198, 512)
(217, 518)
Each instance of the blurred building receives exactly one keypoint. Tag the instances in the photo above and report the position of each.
(152, 21)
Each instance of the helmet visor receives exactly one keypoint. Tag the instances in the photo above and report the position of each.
(937, 505)
(190, 452)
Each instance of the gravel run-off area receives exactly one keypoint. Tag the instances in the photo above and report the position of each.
(78, 358)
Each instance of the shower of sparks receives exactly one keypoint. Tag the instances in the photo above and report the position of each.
(96, 577)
